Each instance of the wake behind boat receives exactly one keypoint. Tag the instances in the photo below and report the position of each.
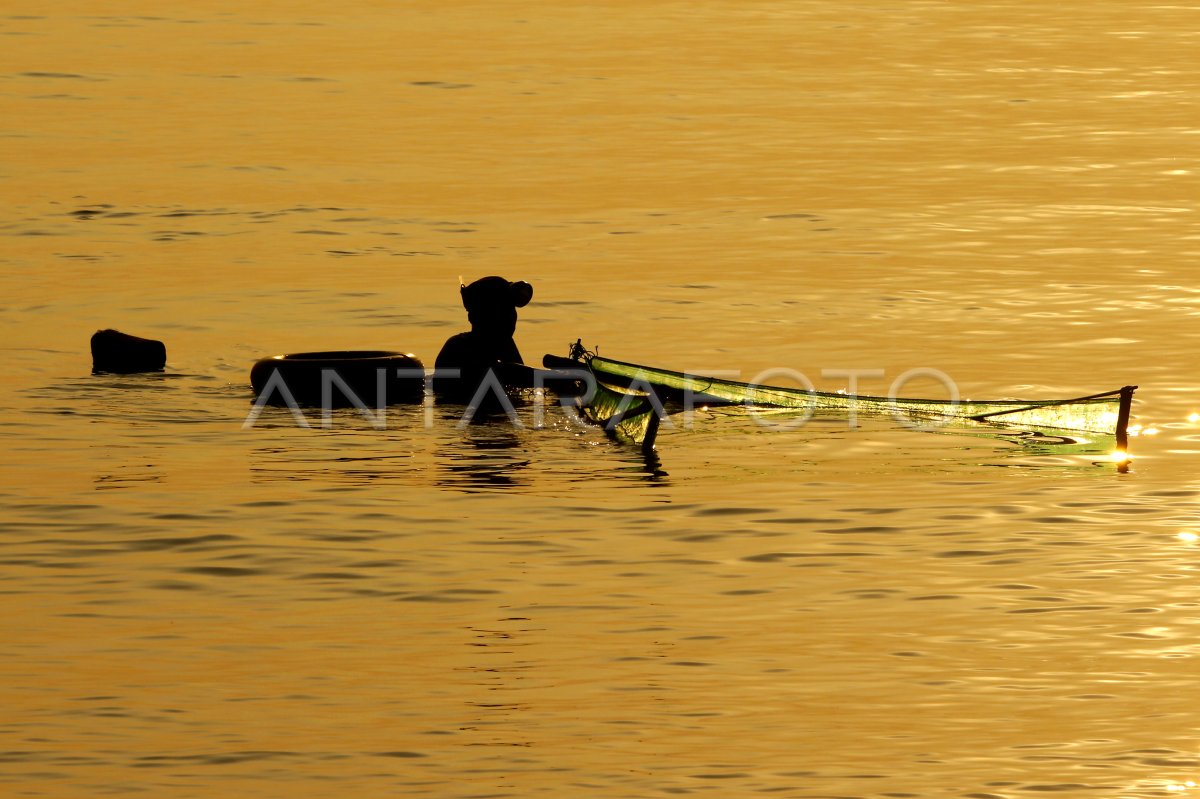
(630, 400)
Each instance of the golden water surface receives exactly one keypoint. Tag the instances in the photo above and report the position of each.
(194, 606)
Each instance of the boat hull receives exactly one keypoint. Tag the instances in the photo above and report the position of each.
(631, 398)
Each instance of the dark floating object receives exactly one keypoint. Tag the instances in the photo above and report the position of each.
(121, 353)
(339, 379)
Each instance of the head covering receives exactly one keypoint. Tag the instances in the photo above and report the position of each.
(495, 292)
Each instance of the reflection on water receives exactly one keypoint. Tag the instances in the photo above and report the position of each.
(997, 191)
(493, 457)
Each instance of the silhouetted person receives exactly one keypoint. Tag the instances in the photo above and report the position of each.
(491, 304)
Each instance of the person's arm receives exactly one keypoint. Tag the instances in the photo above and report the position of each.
(518, 375)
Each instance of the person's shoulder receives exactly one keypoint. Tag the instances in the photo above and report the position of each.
(454, 351)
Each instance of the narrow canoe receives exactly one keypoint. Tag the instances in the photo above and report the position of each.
(630, 399)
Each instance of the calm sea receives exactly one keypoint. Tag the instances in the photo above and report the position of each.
(1003, 192)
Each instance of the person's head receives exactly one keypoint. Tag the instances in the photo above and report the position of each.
(492, 304)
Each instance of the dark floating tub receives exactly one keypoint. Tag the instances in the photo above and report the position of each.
(338, 378)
